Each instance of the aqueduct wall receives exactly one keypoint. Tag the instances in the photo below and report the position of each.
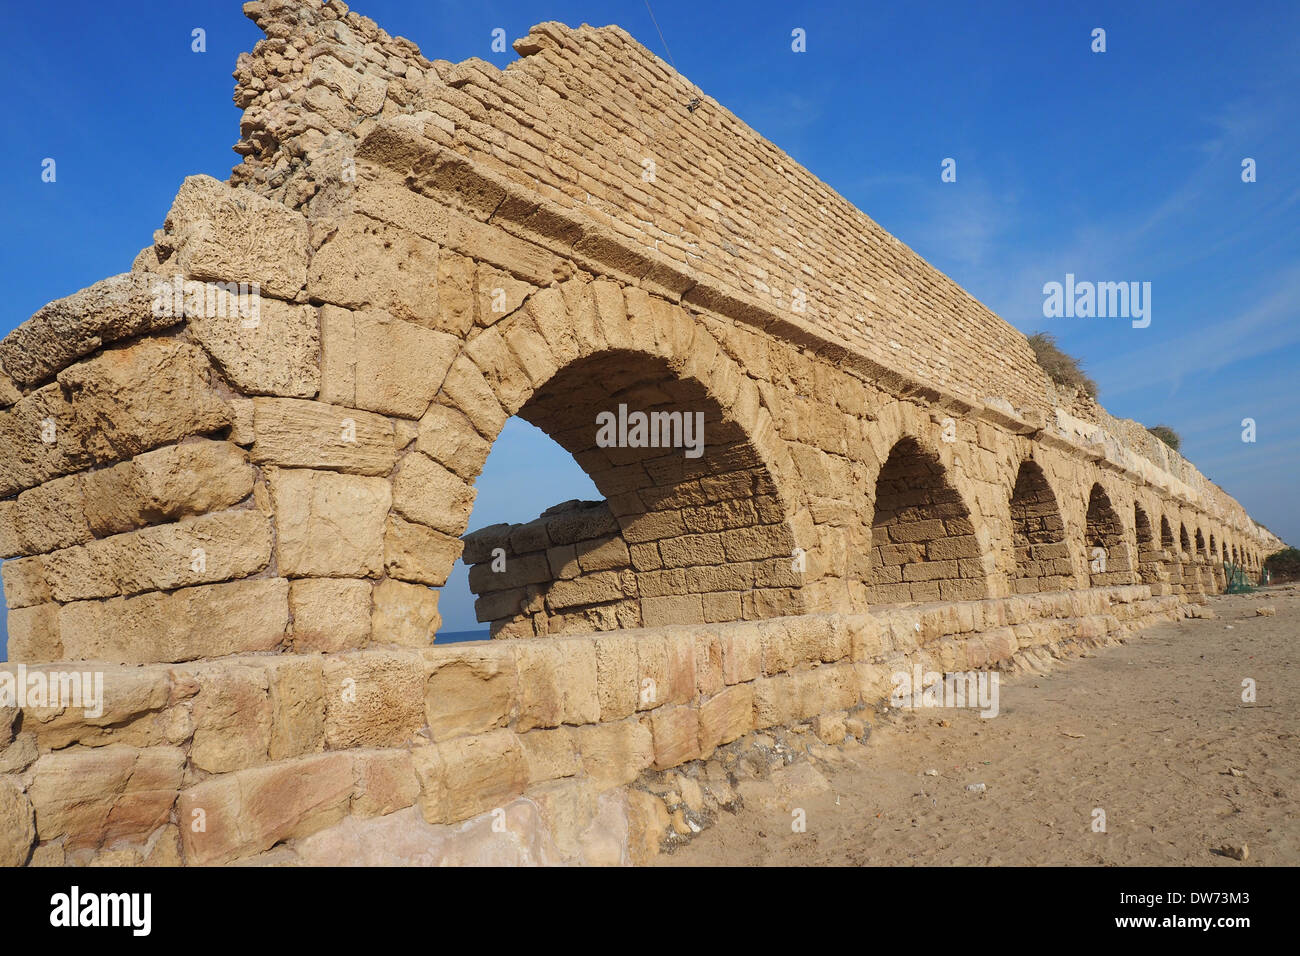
(238, 505)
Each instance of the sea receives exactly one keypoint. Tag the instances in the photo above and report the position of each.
(459, 637)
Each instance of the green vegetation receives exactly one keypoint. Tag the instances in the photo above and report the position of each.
(1283, 565)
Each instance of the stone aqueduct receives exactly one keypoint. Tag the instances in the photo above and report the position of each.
(239, 502)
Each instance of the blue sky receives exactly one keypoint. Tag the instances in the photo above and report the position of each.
(1123, 165)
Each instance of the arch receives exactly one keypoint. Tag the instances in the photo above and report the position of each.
(690, 531)
(923, 542)
(1107, 552)
(1150, 570)
(1201, 552)
(1042, 556)
(1184, 541)
(1217, 576)
(1166, 534)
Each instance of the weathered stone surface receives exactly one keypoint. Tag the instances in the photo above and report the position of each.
(404, 614)
(109, 408)
(468, 775)
(25, 582)
(34, 633)
(647, 823)
(109, 704)
(551, 754)
(19, 754)
(367, 264)
(499, 295)
(264, 346)
(618, 676)
(742, 653)
(615, 753)
(726, 717)
(49, 517)
(455, 294)
(329, 524)
(217, 232)
(17, 826)
(293, 433)
(568, 809)
(70, 328)
(207, 621)
(134, 398)
(386, 782)
(297, 692)
(557, 683)
(373, 699)
(93, 797)
(466, 390)
(449, 438)
(676, 733)
(232, 719)
(9, 394)
(9, 542)
(168, 483)
(40, 439)
(329, 614)
(374, 361)
(470, 690)
(418, 554)
(251, 810)
(211, 548)
(426, 492)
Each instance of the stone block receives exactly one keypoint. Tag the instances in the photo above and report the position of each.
(470, 690)
(226, 234)
(207, 621)
(404, 614)
(329, 614)
(373, 699)
(328, 523)
(557, 683)
(293, 433)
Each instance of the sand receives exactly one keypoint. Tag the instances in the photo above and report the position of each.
(1154, 732)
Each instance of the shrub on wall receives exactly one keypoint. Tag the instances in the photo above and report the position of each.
(1060, 368)
(1167, 435)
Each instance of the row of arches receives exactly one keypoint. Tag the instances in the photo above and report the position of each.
(924, 548)
(891, 518)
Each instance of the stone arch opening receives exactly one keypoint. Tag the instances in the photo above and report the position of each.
(1201, 553)
(1184, 542)
(1166, 535)
(923, 544)
(525, 474)
(1150, 570)
(691, 529)
(1104, 537)
(1038, 534)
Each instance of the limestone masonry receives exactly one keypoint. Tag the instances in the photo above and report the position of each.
(232, 479)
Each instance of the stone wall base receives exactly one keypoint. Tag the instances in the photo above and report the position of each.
(160, 776)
